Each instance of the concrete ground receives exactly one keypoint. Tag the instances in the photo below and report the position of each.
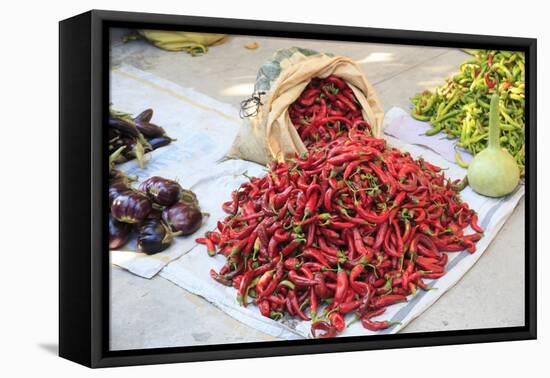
(156, 313)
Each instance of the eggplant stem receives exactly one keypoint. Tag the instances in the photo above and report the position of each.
(115, 155)
(139, 152)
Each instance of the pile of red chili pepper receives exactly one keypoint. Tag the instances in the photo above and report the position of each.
(351, 228)
(326, 110)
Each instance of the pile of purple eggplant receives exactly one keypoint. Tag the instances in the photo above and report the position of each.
(157, 210)
(137, 135)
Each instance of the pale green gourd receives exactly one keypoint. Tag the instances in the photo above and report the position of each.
(493, 172)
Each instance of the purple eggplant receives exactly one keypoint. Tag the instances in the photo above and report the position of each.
(155, 213)
(159, 142)
(124, 126)
(117, 187)
(144, 125)
(161, 191)
(154, 236)
(118, 233)
(131, 207)
(144, 116)
(113, 133)
(183, 217)
(150, 130)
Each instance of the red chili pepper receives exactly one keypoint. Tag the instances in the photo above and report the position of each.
(209, 245)
(443, 260)
(316, 255)
(336, 81)
(490, 83)
(292, 263)
(345, 158)
(377, 326)
(310, 235)
(422, 285)
(248, 217)
(366, 252)
(228, 207)
(453, 247)
(264, 281)
(329, 234)
(349, 306)
(245, 281)
(327, 199)
(274, 282)
(214, 236)
(299, 280)
(326, 247)
(358, 287)
(294, 303)
(350, 168)
(290, 247)
(470, 246)
(400, 249)
(337, 321)
(380, 236)
(388, 300)
(374, 313)
(426, 246)
(370, 217)
(313, 303)
(280, 235)
(265, 308)
(473, 223)
(272, 247)
(341, 286)
(330, 331)
(340, 225)
(321, 289)
(434, 275)
(311, 204)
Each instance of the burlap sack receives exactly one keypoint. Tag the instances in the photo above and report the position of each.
(267, 132)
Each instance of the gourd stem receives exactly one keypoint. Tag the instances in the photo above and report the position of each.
(494, 129)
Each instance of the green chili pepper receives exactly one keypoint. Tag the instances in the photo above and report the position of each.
(459, 160)
(459, 108)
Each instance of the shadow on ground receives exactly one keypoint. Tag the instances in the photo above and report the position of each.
(51, 348)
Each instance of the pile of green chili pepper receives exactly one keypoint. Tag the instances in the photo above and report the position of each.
(460, 108)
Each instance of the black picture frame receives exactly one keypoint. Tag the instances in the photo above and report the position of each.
(83, 257)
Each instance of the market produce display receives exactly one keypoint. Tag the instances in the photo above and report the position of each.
(460, 107)
(135, 136)
(352, 227)
(157, 211)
